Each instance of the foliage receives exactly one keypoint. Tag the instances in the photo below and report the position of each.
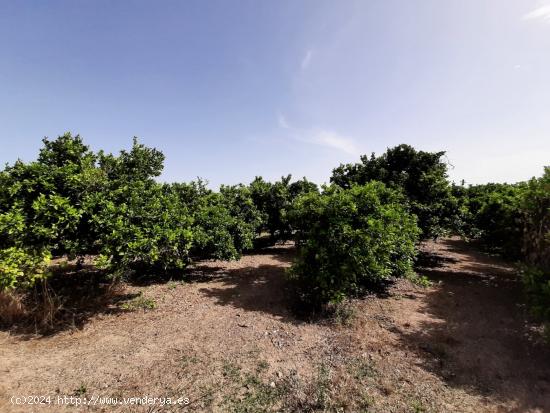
(537, 286)
(260, 191)
(75, 202)
(420, 280)
(225, 222)
(348, 239)
(300, 187)
(21, 268)
(514, 220)
(192, 194)
(510, 219)
(48, 194)
(535, 207)
(246, 219)
(274, 201)
(492, 214)
(72, 201)
(422, 176)
(135, 220)
(211, 230)
(139, 225)
(279, 205)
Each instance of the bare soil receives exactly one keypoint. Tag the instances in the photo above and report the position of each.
(228, 341)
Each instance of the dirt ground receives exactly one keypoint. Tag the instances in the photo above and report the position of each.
(227, 341)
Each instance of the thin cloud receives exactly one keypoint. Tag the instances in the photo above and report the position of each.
(306, 59)
(542, 12)
(320, 137)
(283, 122)
(331, 139)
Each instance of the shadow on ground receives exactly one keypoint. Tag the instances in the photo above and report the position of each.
(76, 294)
(479, 337)
(69, 301)
(258, 288)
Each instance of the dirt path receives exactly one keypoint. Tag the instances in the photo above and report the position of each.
(463, 343)
(228, 342)
(477, 317)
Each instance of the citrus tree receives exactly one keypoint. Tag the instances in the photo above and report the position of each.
(348, 239)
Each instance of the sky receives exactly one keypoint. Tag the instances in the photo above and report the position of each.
(231, 89)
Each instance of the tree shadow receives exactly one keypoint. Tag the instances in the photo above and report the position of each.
(258, 289)
(207, 269)
(478, 337)
(78, 292)
(427, 259)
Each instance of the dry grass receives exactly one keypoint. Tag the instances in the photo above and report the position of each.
(46, 310)
(12, 307)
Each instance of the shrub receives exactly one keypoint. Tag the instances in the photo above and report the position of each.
(537, 286)
(274, 201)
(348, 239)
(422, 176)
(279, 205)
(21, 265)
(260, 191)
(212, 236)
(224, 223)
(140, 225)
(535, 207)
(136, 222)
(494, 216)
(246, 217)
(21, 268)
(49, 192)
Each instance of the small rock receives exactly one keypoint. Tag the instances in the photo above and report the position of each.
(272, 384)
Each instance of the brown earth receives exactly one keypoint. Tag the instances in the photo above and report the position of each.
(228, 341)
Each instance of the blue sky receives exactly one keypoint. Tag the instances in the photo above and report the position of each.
(233, 89)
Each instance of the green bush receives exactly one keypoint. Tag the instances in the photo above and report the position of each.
(48, 194)
(75, 202)
(493, 214)
(422, 176)
(137, 222)
(139, 225)
(225, 223)
(20, 268)
(348, 239)
(535, 207)
(21, 265)
(260, 191)
(274, 201)
(537, 286)
(246, 219)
